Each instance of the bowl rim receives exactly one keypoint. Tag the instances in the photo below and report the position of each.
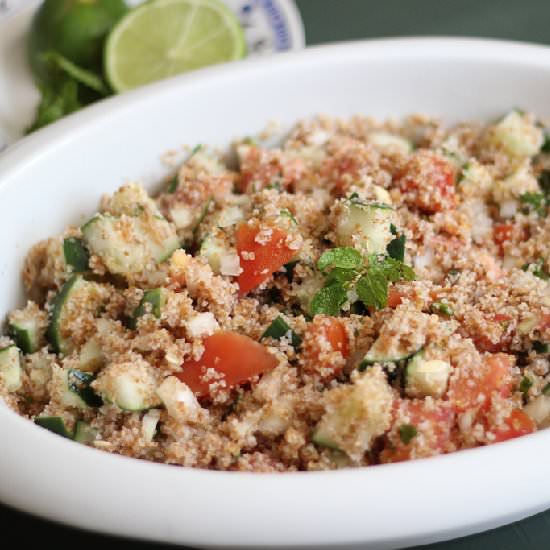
(424, 475)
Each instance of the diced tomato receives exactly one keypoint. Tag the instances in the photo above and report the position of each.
(427, 182)
(394, 298)
(260, 256)
(262, 167)
(544, 324)
(484, 343)
(433, 423)
(517, 424)
(473, 388)
(347, 164)
(502, 233)
(323, 336)
(233, 358)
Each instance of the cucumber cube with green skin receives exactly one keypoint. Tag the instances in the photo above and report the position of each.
(379, 354)
(278, 329)
(426, 377)
(10, 368)
(26, 334)
(54, 424)
(84, 433)
(79, 382)
(131, 386)
(160, 237)
(153, 301)
(76, 255)
(356, 414)
(76, 293)
(118, 242)
(366, 225)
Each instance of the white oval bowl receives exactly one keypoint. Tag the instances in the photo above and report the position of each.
(57, 176)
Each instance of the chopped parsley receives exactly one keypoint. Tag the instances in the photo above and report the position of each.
(442, 307)
(525, 384)
(540, 347)
(407, 432)
(537, 269)
(279, 329)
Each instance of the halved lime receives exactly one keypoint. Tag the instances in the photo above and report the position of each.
(163, 38)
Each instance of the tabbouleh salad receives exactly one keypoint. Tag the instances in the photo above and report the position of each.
(365, 293)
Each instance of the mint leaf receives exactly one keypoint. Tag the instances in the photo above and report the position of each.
(329, 300)
(342, 276)
(344, 257)
(394, 270)
(396, 248)
(372, 289)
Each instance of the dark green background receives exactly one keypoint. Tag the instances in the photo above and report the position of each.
(329, 21)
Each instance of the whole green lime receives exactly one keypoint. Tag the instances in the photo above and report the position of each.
(74, 28)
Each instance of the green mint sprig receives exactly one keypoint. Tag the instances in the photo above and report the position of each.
(350, 273)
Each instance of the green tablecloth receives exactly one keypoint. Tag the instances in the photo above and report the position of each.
(333, 20)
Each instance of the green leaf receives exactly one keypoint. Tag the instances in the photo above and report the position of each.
(278, 329)
(537, 201)
(537, 269)
(372, 289)
(540, 347)
(407, 432)
(396, 248)
(55, 103)
(394, 270)
(544, 182)
(329, 300)
(82, 76)
(525, 384)
(344, 258)
(341, 276)
(546, 145)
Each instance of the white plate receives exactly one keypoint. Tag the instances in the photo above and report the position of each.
(57, 176)
(270, 26)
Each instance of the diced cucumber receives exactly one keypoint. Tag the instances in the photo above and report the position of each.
(426, 377)
(385, 140)
(118, 242)
(229, 216)
(130, 386)
(54, 424)
(179, 400)
(279, 329)
(10, 368)
(213, 248)
(91, 357)
(76, 296)
(79, 383)
(149, 424)
(72, 388)
(379, 353)
(84, 433)
(539, 410)
(131, 199)
(160, 236)
(76, 255)
(26, 332)
(517, 135)
(152, 302)
(356, 414)
(366, 225)
(182, 216)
